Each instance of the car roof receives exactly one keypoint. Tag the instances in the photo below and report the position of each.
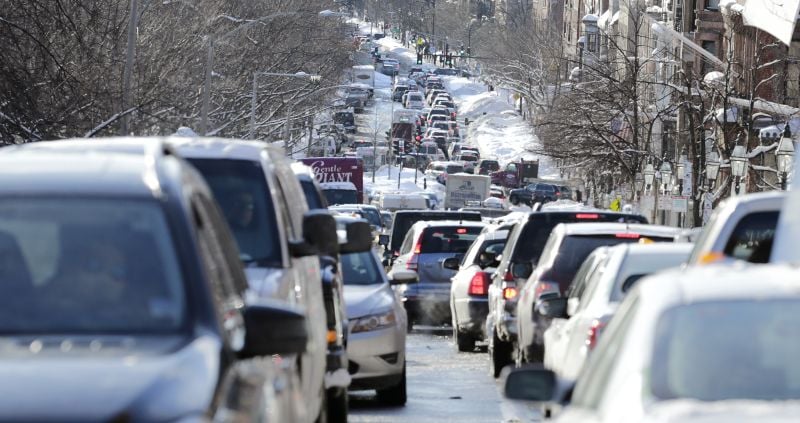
(445, 223)
(603, 228)
(302, 171)
(534, 215)
(124, 166)
(730, 281)
(654, 249)
(218, 148)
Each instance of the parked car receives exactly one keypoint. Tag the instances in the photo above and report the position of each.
(356, 96)
(594, 295)
(424, 248)
(265, 206)
(741, 227)
(377, 347)
(563, 253)
(469, 288)
(534, 193)
(129, 300)
(701, 345)
(346, 118)
(521, 253)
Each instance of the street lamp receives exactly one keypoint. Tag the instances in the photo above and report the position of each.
(784, 156)
(649, 174)
(738, 164)
(666, 177)
(712, 166)
(210, 56)
(638, 182)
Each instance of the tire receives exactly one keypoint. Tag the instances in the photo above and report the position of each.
(514, 200)
(323, 408)
(499, 354)
(336, 399)
(395, 395)
(464, 342)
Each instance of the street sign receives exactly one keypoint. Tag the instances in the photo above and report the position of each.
(665, 202)
(680, 203)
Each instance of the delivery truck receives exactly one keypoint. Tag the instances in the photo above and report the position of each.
(462, 189)
(339, 169)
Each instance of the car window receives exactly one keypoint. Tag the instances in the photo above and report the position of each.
(593, 381)
(241, 190)
(754, 233)
(313, 198)
(750, 345)
(409, 239)
(360, 269)
(472, 253)
(88, 265)
(448, 239)
(582, 275)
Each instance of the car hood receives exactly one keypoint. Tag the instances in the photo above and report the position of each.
(104, 379)
(742, 411)
(363, 300)
(266, 282)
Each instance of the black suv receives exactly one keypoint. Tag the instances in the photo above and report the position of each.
(534, 193)
(521, 253)
(128, 293)
(405, 219)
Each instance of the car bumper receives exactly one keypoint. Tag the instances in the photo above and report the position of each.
(471, 315)
(376, 358)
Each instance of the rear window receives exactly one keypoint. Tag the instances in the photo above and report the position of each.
(751, 240)
(454, 169)
(403, 221)
(534, 234)
(448, 239)
(575, 248)
(468, 158)
(490, 165)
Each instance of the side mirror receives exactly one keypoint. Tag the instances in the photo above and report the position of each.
(552, 306)
(359, 238)
(401, 277)
(383, 240)
(451, 263)
(521, 270)
(533, 383)
(273, 328)
(319, 233)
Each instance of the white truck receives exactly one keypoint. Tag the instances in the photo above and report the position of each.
(365, 74)
(462, 188)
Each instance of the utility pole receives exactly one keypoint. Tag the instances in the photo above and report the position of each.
(130, 55)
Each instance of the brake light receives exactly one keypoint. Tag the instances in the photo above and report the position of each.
(594, 333)
(587, 216)
(509, 293)
(461, 230)
(543, 287)
(627, 235)
(411, 264)
(508, 277)
(479, 284)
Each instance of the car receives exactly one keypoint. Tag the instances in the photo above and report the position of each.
(405, 219)
(424, 248)
(387, 69)
(346, 118)
(520, 254)
(741, 227)
(449, 169)
(447, 72)
(377, 346)
(487, 166)
(534, 193)
(432, 93)
(394, 63)
(387, 218)
(413, 100)
(594, 295)
(468, 159)
(469, 288)
(370, 213)
(705, 344)
(496, 191)
(129, 299)
(398, 92)
(563, 253)
(787, 231)
(265, 206)
(356, 96)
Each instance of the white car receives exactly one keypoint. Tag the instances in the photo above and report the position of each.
(713, 343)
(413, 100)
(377, 343)
(599, 286)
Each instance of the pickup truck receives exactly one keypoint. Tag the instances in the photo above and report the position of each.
(516, 174)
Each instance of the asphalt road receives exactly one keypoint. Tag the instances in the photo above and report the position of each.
(443, 386)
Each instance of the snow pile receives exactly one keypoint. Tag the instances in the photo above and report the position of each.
(397, 50)
(382, 81)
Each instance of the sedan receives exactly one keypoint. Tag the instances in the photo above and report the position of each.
(469, 288)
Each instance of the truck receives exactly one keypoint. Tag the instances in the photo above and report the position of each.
(339, 169)
(462, 189)
(365, 74)
(517, 174)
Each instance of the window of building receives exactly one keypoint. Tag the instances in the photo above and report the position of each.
(712, 4)
(711, 47)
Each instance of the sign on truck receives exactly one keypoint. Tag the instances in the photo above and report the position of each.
(338, 169)
(463, 188)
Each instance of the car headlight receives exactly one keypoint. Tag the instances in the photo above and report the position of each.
(375, 322)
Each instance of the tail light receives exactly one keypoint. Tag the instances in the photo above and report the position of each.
(509, 292)
(479, 285)
(453, 115)
(627, 235)
(594, 333)
(543, 287)
(587, 216)
(411, 264)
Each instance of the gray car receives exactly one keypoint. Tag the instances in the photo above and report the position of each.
(424, 249)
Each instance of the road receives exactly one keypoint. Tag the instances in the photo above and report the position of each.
(443, 386)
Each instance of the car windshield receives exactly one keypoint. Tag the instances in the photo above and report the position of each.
(88, 266)
(373, 216)
(240, 188)
(448, 239)
(721, 350)
(490, 165)
(313, 198)
(360, 269)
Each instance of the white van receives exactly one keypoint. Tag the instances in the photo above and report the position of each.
(401, 201)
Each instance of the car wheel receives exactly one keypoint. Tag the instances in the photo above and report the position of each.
(336, 399)
(464, 342)
(395, 395)
(500, 354)
(514, 200)
(323, 408)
